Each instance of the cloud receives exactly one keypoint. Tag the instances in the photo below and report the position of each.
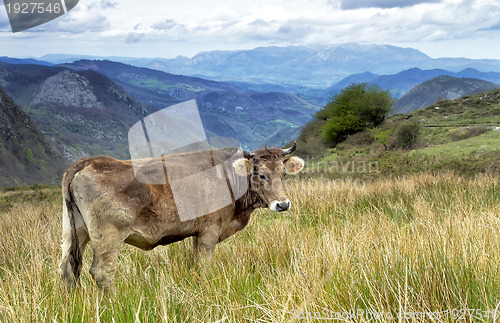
(134, 37)
(383, 4)
(84, 18)
(108, 4)
(108, 25)
(165, 24)
(87, 22)
(491, 27)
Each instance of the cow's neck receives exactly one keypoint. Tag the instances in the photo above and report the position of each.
(246, 204)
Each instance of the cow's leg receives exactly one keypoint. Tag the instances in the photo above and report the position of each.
(105, 244)
(207, 240)
(233, 227)
(195, 244)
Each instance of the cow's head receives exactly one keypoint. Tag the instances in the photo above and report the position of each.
(266, 169)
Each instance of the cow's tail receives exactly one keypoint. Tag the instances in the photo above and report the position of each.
(71, 262)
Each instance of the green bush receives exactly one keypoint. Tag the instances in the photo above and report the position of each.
(356, 108)
(406, 135)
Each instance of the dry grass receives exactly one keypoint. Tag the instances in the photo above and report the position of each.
(416, 245)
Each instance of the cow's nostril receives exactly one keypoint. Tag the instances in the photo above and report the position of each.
(280, 206)
(283, 206)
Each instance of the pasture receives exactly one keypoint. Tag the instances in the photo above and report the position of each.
(417, 248)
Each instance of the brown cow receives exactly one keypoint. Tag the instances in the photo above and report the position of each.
(104, 203)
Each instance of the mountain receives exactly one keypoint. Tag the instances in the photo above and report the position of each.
(12, 60)
(20, 81)
(440, 88)
(26, 157)
(316, 66)
(156, 88)
(87, 107)
(403, 81)
(226, 110)
(86, 113)
(83, 112)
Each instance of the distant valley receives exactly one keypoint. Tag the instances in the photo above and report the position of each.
(254, 118)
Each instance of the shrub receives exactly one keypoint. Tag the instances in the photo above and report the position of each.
(356, 108)
(360, 139)
(406, 135)
(469, 133)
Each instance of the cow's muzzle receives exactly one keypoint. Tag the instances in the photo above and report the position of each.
(280, 206)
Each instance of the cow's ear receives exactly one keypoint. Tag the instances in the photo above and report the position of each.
(243, 167)
(294, 164)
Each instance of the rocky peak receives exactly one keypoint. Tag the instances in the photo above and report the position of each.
(67, 88)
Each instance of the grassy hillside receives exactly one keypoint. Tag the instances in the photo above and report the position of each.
(26, 155)
(422, 245)
(459, 135)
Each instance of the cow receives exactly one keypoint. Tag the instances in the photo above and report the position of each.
(105, 204)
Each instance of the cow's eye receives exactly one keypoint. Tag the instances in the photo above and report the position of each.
(284, 174)
(262, 177)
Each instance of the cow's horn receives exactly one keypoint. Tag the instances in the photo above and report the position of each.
(290, 150)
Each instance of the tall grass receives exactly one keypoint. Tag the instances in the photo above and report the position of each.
(416, 245)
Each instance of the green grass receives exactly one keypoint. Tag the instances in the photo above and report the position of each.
(418, 244)
(28, 194)
(483, 108)
(489, 141)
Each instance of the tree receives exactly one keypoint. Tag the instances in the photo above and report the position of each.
(355, 108)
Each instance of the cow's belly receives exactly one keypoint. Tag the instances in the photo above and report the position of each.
(139, 241)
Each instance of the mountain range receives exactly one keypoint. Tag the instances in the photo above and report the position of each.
(402, 82)
(316, 66)
(313, 73)
(88, 106)
(254, 118)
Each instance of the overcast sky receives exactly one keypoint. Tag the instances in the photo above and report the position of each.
(154, 28)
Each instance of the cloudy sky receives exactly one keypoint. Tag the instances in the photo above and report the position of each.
(166, 28)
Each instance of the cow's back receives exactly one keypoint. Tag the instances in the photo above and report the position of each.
(106, 190)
